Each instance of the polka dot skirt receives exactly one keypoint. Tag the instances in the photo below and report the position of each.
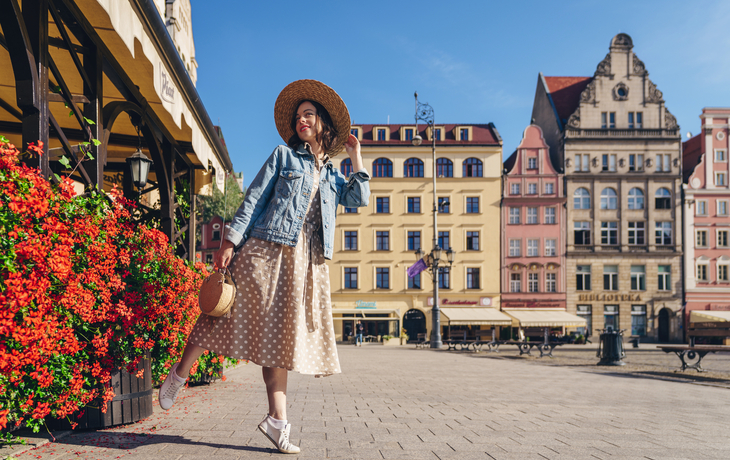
(282, 315)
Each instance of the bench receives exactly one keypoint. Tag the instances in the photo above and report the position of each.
(691, 355)
(422, 341)
(546, 348)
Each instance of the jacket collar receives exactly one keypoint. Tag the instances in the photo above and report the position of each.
(305, 149)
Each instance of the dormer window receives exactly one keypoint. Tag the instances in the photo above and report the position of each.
(381, 133)
(463, 133)
(407, 133)
(354, 131)
(439, 132)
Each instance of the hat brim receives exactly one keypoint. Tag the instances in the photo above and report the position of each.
(301, 90)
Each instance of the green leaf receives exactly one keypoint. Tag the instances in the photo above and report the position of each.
(84, 143)
(71, 114)
(3, 139)
(88, 154)
(91, 122)
(96, 142)
(64, 161)
(57, 177)
(56, 89)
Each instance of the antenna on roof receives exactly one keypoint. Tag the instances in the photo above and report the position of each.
(388, 119)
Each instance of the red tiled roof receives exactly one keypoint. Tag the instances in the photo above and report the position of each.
(565, 92)
(483, 134)
(691, 153)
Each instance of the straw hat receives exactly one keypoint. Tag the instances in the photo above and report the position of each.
(293, 95)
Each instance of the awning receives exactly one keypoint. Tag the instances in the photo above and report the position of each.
(545, 318)
(477, 316)
(708, 316)
(362, 314)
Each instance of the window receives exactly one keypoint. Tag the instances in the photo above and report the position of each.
(382, 167)
(636, 162)
(437, 132)
(350, 278)
(464, 134)
(532, 216)
(351, 240)
(444, 240)
(663, 199)
(609, 233)
(665, 277)
(585, 312)
(637, 233)
(582, 233)
(701, 207)
(381, 134)
(550, 282)
(514, 188)
(582, 199)
(720, 155)
(636, 198)
(609, 162)
(209, 259)
(444, 168)
(583, 278)
(533, 285)
(415, 282)
(722, 272)
(515, 247)
(610, 317)
(608, 198)
(722, 238)
(612, 120)
(638, 320)
(533, 248)
(472, 205)
(515, 282)
(408, 134)
(582, 162)
(663, 233)
(638, 278)
(532, 189)
(414, 241)
(639, 120)
(663, 162)
(549, 188)
(346, 167)
(701, 239)
(721, 179)
(721, 208)
(610, 277)
(414, 204)
(382, 241)
(514, 215)
(472, 167)
(472, 278)
(532, 163)
(472, 241)
(382, 278)
(550, 245)
(550, 215)
(216, 235)
(701, 272)
(350, 210)
(444, 205)
(413, 167)
(382, 205)
(444, 278)
(355, 132)
(631, 120)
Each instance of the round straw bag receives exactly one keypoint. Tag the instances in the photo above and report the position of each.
(217, 294)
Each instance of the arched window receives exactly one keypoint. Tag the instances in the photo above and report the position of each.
(582, 199)
(413, 167)
(444, 168)
(472, 167)
(636, 198)
(382, 167)
(608, 198)
(346, 167)
(663, 199)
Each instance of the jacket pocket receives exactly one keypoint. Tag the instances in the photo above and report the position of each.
(288, 183)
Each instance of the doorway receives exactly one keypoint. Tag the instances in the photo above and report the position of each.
(414, 322)
(663, 329)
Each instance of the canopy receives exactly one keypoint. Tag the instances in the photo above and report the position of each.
(545, 318)
(705, 316)
(362, 314)
(478, 316)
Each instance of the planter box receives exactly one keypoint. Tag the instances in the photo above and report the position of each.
(393, 341)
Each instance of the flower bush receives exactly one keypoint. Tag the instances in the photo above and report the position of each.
(85, 291)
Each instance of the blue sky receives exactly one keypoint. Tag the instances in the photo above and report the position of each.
(473, 61)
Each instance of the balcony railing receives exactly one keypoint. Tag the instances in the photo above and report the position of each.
(615, 133)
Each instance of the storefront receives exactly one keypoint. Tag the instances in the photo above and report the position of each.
(378, 318)
(465, 322)
(532, 323)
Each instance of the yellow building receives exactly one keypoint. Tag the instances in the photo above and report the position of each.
(375, 245)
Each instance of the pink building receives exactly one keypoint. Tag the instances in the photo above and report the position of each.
(533, 229)
(211, 234)
(706, 214)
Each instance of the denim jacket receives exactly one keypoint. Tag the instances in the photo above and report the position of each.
(277, 200)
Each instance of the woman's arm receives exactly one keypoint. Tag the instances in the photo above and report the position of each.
(356, 192)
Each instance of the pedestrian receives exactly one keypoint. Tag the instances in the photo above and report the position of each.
(283, 232)
(358, 333)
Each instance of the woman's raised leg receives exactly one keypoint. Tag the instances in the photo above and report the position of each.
(178, 374)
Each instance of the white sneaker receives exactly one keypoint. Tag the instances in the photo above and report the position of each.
(280, 438)
(170, 388)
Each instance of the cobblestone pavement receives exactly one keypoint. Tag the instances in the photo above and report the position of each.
(400, 403)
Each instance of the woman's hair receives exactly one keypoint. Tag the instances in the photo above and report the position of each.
(328, 135)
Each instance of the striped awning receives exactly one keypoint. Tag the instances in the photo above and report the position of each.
(708, 316)
(477, 316)
(545, 318)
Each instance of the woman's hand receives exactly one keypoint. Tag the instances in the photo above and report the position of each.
(224, 255)
(352, 147)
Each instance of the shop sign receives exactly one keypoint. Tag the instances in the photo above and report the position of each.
(719, 307)
(609, 297)
(507, 304)
(168, 91)
(363, 304)
(458, 302)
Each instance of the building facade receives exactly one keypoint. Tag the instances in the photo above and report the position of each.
(620, 148)
(706, 219)
(375, 245)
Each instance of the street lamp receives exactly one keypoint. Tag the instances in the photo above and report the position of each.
(424, 112)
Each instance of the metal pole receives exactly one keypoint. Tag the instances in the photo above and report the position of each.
(435, 311)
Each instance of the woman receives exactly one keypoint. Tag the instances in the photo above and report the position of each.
(284, 230)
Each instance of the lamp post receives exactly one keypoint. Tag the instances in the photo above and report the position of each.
(424, 112)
